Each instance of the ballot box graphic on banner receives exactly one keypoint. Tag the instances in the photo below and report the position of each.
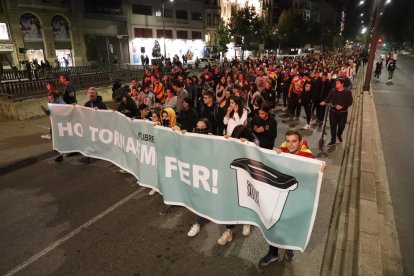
(262, 189)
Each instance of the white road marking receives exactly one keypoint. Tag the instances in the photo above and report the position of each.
(72, 234)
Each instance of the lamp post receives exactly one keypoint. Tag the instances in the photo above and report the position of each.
(163, 26)
(378, 7)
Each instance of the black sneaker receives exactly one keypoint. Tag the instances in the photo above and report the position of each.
(59, 159)
(340, 138)
(289, 255)
(268, 259)
(331, 143)
(165, 210)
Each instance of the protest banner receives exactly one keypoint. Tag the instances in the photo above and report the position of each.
(224, 180)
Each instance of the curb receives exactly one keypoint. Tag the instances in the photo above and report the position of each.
(362, 239)
(26, 162)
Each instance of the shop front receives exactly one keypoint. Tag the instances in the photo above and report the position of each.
(144, 45)
(63, 44)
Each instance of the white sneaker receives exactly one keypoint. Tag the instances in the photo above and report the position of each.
(152, 192)
(194, 230)
(46, 136)
(226, 237)
(306, 126)
(246, 229)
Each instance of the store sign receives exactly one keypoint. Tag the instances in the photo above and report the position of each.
(6, 47)
(4, 34)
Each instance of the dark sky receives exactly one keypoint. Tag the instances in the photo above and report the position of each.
(393, 20)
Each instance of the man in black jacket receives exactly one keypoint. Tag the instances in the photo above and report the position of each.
(95, 101)
(340, 99)
(264, 127)
(321, 92)
(69, 95)
(212, 112)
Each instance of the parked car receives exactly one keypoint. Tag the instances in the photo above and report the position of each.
(205, 61)
(405, 52)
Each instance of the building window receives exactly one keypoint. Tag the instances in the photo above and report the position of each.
(216, 19)
(180, 14)
(168, 13)
(4, 33)
(158, 12)
(141, 9)
(182, 34)
(196, 16)
(209, 19)
(196, 35)
(143, 33)
(160, 33)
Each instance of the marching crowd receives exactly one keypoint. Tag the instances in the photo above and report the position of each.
(238, 99)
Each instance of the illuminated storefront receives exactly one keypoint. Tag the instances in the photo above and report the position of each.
(144, 44)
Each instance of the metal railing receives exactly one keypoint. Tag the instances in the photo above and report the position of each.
(31, 83)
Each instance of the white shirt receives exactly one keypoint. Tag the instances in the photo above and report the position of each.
(235, 121)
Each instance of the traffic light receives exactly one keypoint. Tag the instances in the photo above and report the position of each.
(379, 40)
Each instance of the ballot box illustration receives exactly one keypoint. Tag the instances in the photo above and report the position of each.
(262, 189)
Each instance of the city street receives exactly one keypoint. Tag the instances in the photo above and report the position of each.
(395, 110)
(77, 219)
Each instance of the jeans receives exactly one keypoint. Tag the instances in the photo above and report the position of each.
(337, 121)
(275, 251)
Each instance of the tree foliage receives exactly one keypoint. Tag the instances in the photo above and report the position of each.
(246, 28)
(222, 36)
(292, 29)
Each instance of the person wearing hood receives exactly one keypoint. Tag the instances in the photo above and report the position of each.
(168, 118)
(95, 101)
(128, 107)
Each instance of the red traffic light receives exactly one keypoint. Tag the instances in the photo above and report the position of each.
(379, 40)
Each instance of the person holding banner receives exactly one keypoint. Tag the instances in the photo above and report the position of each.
(96, 103)
(236, 114)
(294, 144)
(168, 118)
(243, 133)
(202, 127)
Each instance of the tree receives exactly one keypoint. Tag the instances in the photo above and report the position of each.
(292, 29)
(222, 37)
(245, 27)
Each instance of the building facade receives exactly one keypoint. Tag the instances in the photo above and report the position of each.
(166, 28)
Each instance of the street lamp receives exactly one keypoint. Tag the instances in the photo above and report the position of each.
(377, 9)
(163, 26)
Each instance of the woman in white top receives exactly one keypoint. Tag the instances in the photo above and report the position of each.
(236, 114)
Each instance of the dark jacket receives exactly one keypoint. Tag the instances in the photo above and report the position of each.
(129, 108)
(98, 103)
(214, 115)
(343, 98)
(69, 95)
(266, 138)
(188, 119)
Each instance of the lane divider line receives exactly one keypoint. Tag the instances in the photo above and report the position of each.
(72, 234)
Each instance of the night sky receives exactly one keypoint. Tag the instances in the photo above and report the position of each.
(393, 21)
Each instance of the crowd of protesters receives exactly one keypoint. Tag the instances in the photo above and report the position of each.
(238, 99)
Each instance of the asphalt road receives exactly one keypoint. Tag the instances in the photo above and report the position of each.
(77, 219)
(395, 109)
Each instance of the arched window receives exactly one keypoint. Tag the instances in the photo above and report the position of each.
(31, 28)
(60, 28)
